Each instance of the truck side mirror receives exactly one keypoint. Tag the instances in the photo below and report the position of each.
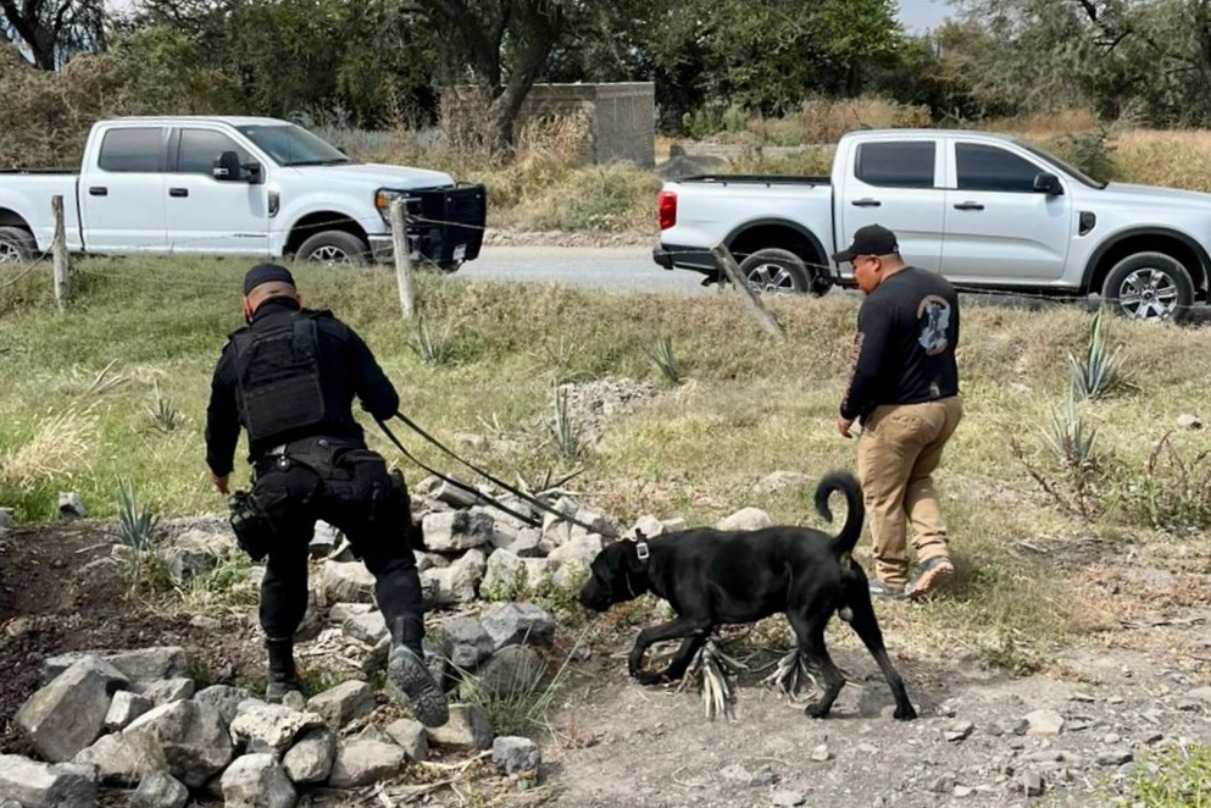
(227, 167)
(253, 170)
(1047, 183)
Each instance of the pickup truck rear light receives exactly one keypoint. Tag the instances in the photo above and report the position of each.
(668, 209)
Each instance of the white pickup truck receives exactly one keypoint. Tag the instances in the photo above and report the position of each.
(986, 211)
(235, 186)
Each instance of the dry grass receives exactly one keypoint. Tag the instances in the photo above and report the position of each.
(55, 450)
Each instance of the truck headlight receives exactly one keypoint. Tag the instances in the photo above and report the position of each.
(382, 202)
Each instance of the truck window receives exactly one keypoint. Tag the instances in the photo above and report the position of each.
(897, 165)
(989, 168)
(132, 150)
(201, 147)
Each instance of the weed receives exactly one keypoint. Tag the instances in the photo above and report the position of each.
(164, 416)
(136, 524)
(228, 584)
(665, 361)
(1172, 492)
(1009, 655)
(565, 433)
(432, 350)
(1178, 777)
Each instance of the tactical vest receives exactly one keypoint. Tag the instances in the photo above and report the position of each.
(278, 374)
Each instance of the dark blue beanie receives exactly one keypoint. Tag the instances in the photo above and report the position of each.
(266, 273)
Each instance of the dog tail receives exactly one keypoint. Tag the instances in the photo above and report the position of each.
(847, 539)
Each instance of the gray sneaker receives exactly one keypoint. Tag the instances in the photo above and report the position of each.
(411, 681)
(878, 589)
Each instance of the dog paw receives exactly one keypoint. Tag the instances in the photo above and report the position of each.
(905, 713)
(817, 710)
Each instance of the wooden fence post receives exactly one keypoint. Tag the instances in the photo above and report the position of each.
(767, 320)
(403, 257)
(59, 251)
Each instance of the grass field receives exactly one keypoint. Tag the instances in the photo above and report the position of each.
(81, 391)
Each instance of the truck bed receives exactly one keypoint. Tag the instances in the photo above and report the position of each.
(759, 179)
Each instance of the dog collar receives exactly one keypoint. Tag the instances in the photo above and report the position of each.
(642, 551)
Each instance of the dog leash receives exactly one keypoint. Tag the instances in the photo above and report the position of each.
(609, 532)
(529, 520)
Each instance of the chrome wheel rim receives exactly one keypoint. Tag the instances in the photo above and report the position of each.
(10, 253)
(771, 278)
(1148, 294)
(329, 255)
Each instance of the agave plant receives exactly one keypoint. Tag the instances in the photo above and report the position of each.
(1098, 373)
(135, 524)
(715, 670)
(1073, 440)
(564, 432)
(665, 361)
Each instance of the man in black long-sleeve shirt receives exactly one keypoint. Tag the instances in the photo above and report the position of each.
(904, 390)
(289, 379)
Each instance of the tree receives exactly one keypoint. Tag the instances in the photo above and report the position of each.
(52, 31)
(504, 46)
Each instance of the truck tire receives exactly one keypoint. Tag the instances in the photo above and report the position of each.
(774, 270)
(1149, 286)
(334, 248)
(17, 246)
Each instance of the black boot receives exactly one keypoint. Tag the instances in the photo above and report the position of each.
(410, 678)
(283, 678)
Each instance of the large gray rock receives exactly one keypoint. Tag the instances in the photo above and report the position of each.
(647, 526)
(455, 495)
(7, 521)
(257, 781)
(363, 763)
(124, 708)
(137, 665)
(121, 760)
(272, 728)
(68, 714)
(341, 612)
(42, 785)
(192, 737)
(457, 584)
(511, 673)
(598, 524)
(343, 703)
(746, 519)
(411, 737)
(168, 690)
(778, 480)
(515, 623)
(514, 754)
(455, 531)
(508, 575)
(348, 582)
(368, 628)
(582, 549)
(159, 790)
(310, 760)
(194, 553)
(71, 506)
(224, 698)
(1044, 723)
(468, 728)
(467, 641)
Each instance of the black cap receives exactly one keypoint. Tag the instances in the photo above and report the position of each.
(873, 239)
(266, 273)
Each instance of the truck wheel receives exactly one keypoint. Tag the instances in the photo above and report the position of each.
(334, 248)
(773, 270)
(1149, 286)
(17, 246)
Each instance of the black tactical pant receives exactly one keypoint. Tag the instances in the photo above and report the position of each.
(347, 486)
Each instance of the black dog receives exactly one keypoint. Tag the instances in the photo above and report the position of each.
(713, 577)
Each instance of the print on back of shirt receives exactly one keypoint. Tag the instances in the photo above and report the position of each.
(933, 316)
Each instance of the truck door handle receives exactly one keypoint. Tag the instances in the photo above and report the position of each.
(969, 206)
(866, 203)
(98, 190)
(178, 192)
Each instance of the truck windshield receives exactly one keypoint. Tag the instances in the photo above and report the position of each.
(1072, 171)
(291, 145)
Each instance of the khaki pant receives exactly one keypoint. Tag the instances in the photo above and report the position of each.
(898, 451)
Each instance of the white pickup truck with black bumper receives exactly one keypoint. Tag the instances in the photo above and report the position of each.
(235, 186)
(988, 212)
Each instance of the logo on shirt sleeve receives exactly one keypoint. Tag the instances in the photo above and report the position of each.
(933, 319)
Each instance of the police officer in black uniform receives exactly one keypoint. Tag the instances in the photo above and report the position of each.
(289, 378)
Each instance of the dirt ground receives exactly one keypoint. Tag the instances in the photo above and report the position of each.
(1127, 690)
